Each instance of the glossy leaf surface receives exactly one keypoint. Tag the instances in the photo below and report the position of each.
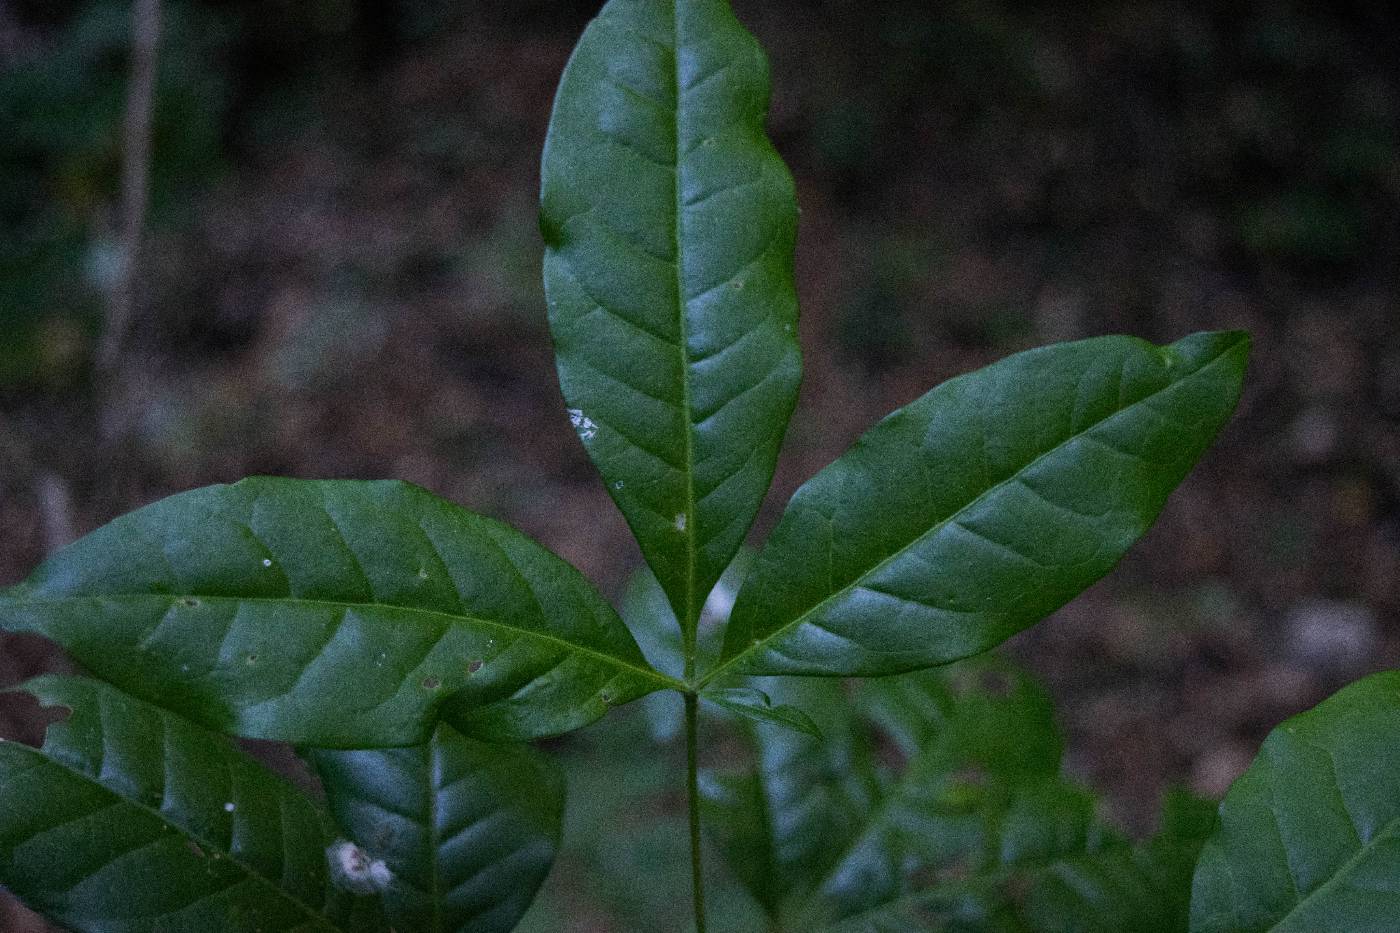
(978, 509)
(756, 705)
(669, 223)
(818, 828)
(1049, 867)
(131, 818)
(469, 829)
(964, 738)
(779, 820)
(1309, 836)
(648, 614)
(334, 613)
(962, 822)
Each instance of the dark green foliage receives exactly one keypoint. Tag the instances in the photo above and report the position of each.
(1309, 837)
(335, 613)
(131, 818)
(970, 828)
(980, 508)
(669, 223)
(468, 829)
(395, 636)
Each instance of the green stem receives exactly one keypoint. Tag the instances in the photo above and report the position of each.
(697, 875)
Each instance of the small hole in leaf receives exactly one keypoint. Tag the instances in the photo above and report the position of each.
(431, 683)
(252, 659)
(474, 665)
(422, 573)
(605, 697)
(190, 602)
(27, 718)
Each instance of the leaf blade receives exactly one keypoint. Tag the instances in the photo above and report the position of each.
(335, 613)
(1310, 834)
(776, 819)
(758, 706)
(669, 222)
(130, 790)
(940, 534)
(468, 828)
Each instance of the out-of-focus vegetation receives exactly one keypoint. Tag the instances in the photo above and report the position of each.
(62, 102)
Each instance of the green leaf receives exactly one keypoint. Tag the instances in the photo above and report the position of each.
(777, 820)
(1026, 834)
(963, 824)
(469, 829)
(754, 704)
(647, 613)
(649, 617)
(334, 613)
(131, 818)
(965, 736)
(975, 511)
(817, 830)
(1309, 836)
(1061, 870)
(669, 223)
(1048, 866)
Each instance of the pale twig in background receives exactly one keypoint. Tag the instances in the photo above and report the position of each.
(136, 171)
(56, 509)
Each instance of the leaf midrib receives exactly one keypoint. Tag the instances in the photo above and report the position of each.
(690, 618)
(432, 778)
(953, 516)
(342, 605)
(315, 914)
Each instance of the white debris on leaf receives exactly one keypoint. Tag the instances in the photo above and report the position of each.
(354, 870)
(680, 521)
(582, 424)
(267, 561)
(230, 807)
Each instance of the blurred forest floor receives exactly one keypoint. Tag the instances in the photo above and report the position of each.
(342, 280)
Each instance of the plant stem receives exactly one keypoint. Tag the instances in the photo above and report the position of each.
(136, 171)
(697, 875)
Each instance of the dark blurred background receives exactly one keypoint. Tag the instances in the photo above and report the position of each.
(340, 278)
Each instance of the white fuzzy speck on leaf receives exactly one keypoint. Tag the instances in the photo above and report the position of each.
(583, 424)
(355, 870)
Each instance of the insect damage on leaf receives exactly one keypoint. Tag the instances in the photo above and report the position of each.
(355, 870)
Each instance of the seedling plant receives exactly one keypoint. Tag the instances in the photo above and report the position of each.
(409, 648)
